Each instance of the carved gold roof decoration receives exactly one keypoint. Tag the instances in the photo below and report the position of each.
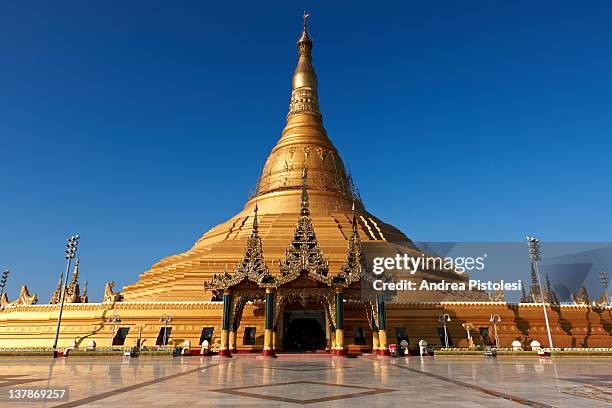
(252, 266)
(73, 291)
(352, 268)
(551, 295)
(84, 297)
(57, 294)
(582, 298)
(497, 296)
(109, 295)
(24, 298)
(304, 253)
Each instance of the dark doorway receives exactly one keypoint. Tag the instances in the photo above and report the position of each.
(304, 330)
(164, 336)
(119, 339)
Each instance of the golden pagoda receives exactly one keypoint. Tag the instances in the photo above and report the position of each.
(287, 272)
(304, 144)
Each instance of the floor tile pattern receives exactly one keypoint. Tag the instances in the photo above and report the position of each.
(288, 381)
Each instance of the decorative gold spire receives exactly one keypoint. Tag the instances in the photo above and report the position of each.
(24, 298)
(252, 266)
(84, 297)
(57, 294)
(304, 43)
(304, 98)
(75, 273)
(304, 253)
(353, 265)
(551, 296)
(72, 290)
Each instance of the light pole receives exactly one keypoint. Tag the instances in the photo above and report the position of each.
(73, 241)
(535, 257)
(443, 318)
(604, 284)
(3, 280)
(165, 319)
(468, 326)
(114, 320)
(495, 319)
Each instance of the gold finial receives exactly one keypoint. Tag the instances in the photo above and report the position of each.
(304, 98)
(304, 43)
(306, 15)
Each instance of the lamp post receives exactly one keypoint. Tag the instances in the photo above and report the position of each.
(443, 318)
(165, 319)
(114, 319)
(495, 319)
(71, 248)
(468, 326)
(604, 284)
(3, 280)
(535, 257)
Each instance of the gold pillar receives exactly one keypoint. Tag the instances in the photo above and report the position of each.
(374, 341)
(232, 341)
(224, 351)
(268, 349)
(340, 342)
(224, 339)
(339, 349)
(268, 339)
(383, 349)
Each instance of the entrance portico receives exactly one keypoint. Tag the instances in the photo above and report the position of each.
(305, 299)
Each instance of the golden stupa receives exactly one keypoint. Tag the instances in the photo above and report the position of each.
(304, 179)
(304, 144)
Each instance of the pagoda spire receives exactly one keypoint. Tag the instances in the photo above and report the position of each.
(534, 291)
(551, 296)
(75, 273)
(304, 96)
(304, 253)
(524, 298)
(304, 141)
(73, 290)
(57, 294)
(84, 297)
(353, 265)
(252, 266)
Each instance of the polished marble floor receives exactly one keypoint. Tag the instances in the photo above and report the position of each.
(290, 381)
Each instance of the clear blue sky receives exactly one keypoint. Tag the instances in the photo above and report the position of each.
(139, 125)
